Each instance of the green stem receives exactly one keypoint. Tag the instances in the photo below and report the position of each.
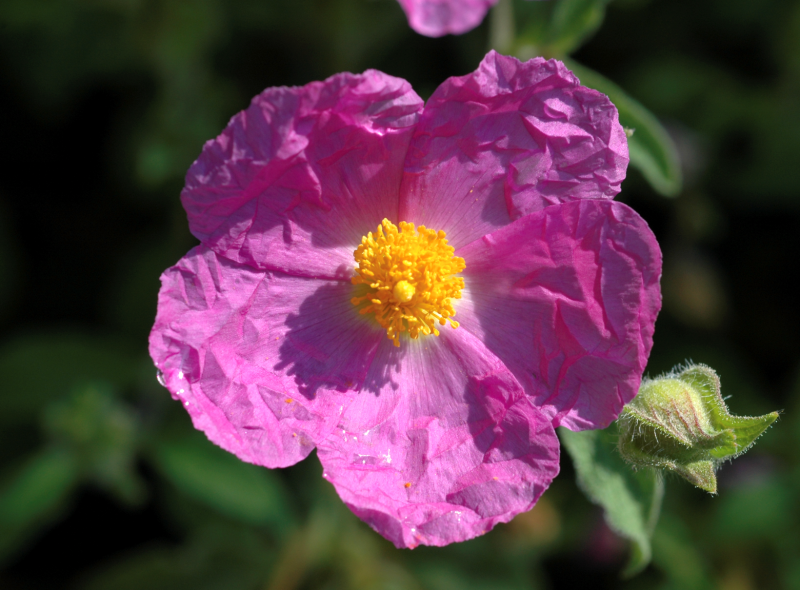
(501, 27)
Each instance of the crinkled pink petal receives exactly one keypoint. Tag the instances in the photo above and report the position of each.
(441, 444)
(294, 181)
(442, 438)
(263, 362)
(435, 18)
(508, 140)
(567, 298)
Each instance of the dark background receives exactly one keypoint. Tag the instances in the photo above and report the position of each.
(103, 484)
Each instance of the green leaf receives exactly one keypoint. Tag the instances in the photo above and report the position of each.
(700, 473)
(555, 29)
(34, 496)
(651, 149)
(631, 500)
(703, 379)
(573, 22)
(742, 430)
(202, 470)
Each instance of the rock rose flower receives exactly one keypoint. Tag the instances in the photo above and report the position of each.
(435, 18)
(421, 292)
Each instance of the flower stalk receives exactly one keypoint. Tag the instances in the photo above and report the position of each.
(501, 27)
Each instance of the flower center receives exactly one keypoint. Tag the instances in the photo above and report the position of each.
(407, 279)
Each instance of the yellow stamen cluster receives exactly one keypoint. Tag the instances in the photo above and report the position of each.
(406, 279)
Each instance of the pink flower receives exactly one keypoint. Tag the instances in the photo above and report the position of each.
(435, 18)
(438, 439)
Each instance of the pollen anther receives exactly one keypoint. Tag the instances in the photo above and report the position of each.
(407, 279)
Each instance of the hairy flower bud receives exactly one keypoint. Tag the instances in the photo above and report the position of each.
(680, 422)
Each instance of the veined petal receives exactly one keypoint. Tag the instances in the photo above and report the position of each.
(441, 444)
(264, 363)
(509, 139)
(567, 298)
(435, 18)
(294, 181)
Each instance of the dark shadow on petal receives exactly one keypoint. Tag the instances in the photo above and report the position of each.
(328, 346)
(386, 365)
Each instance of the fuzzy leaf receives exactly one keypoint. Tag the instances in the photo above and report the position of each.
(700, 473)
(630, 500)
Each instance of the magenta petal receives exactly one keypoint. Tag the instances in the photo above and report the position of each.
(507, 140)
(435, 18)
(263, 362)
(294, 181)
(441, 445)
(567, 298)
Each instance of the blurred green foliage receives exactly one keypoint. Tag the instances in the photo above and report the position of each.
(243, 491)
(631, 500)
(105, 105)
(557, 29)
(34, 495)
(651, 149)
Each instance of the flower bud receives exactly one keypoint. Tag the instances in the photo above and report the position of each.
(680, 422)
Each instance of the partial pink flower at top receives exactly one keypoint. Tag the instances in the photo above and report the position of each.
(420, 292)
(435, 18)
